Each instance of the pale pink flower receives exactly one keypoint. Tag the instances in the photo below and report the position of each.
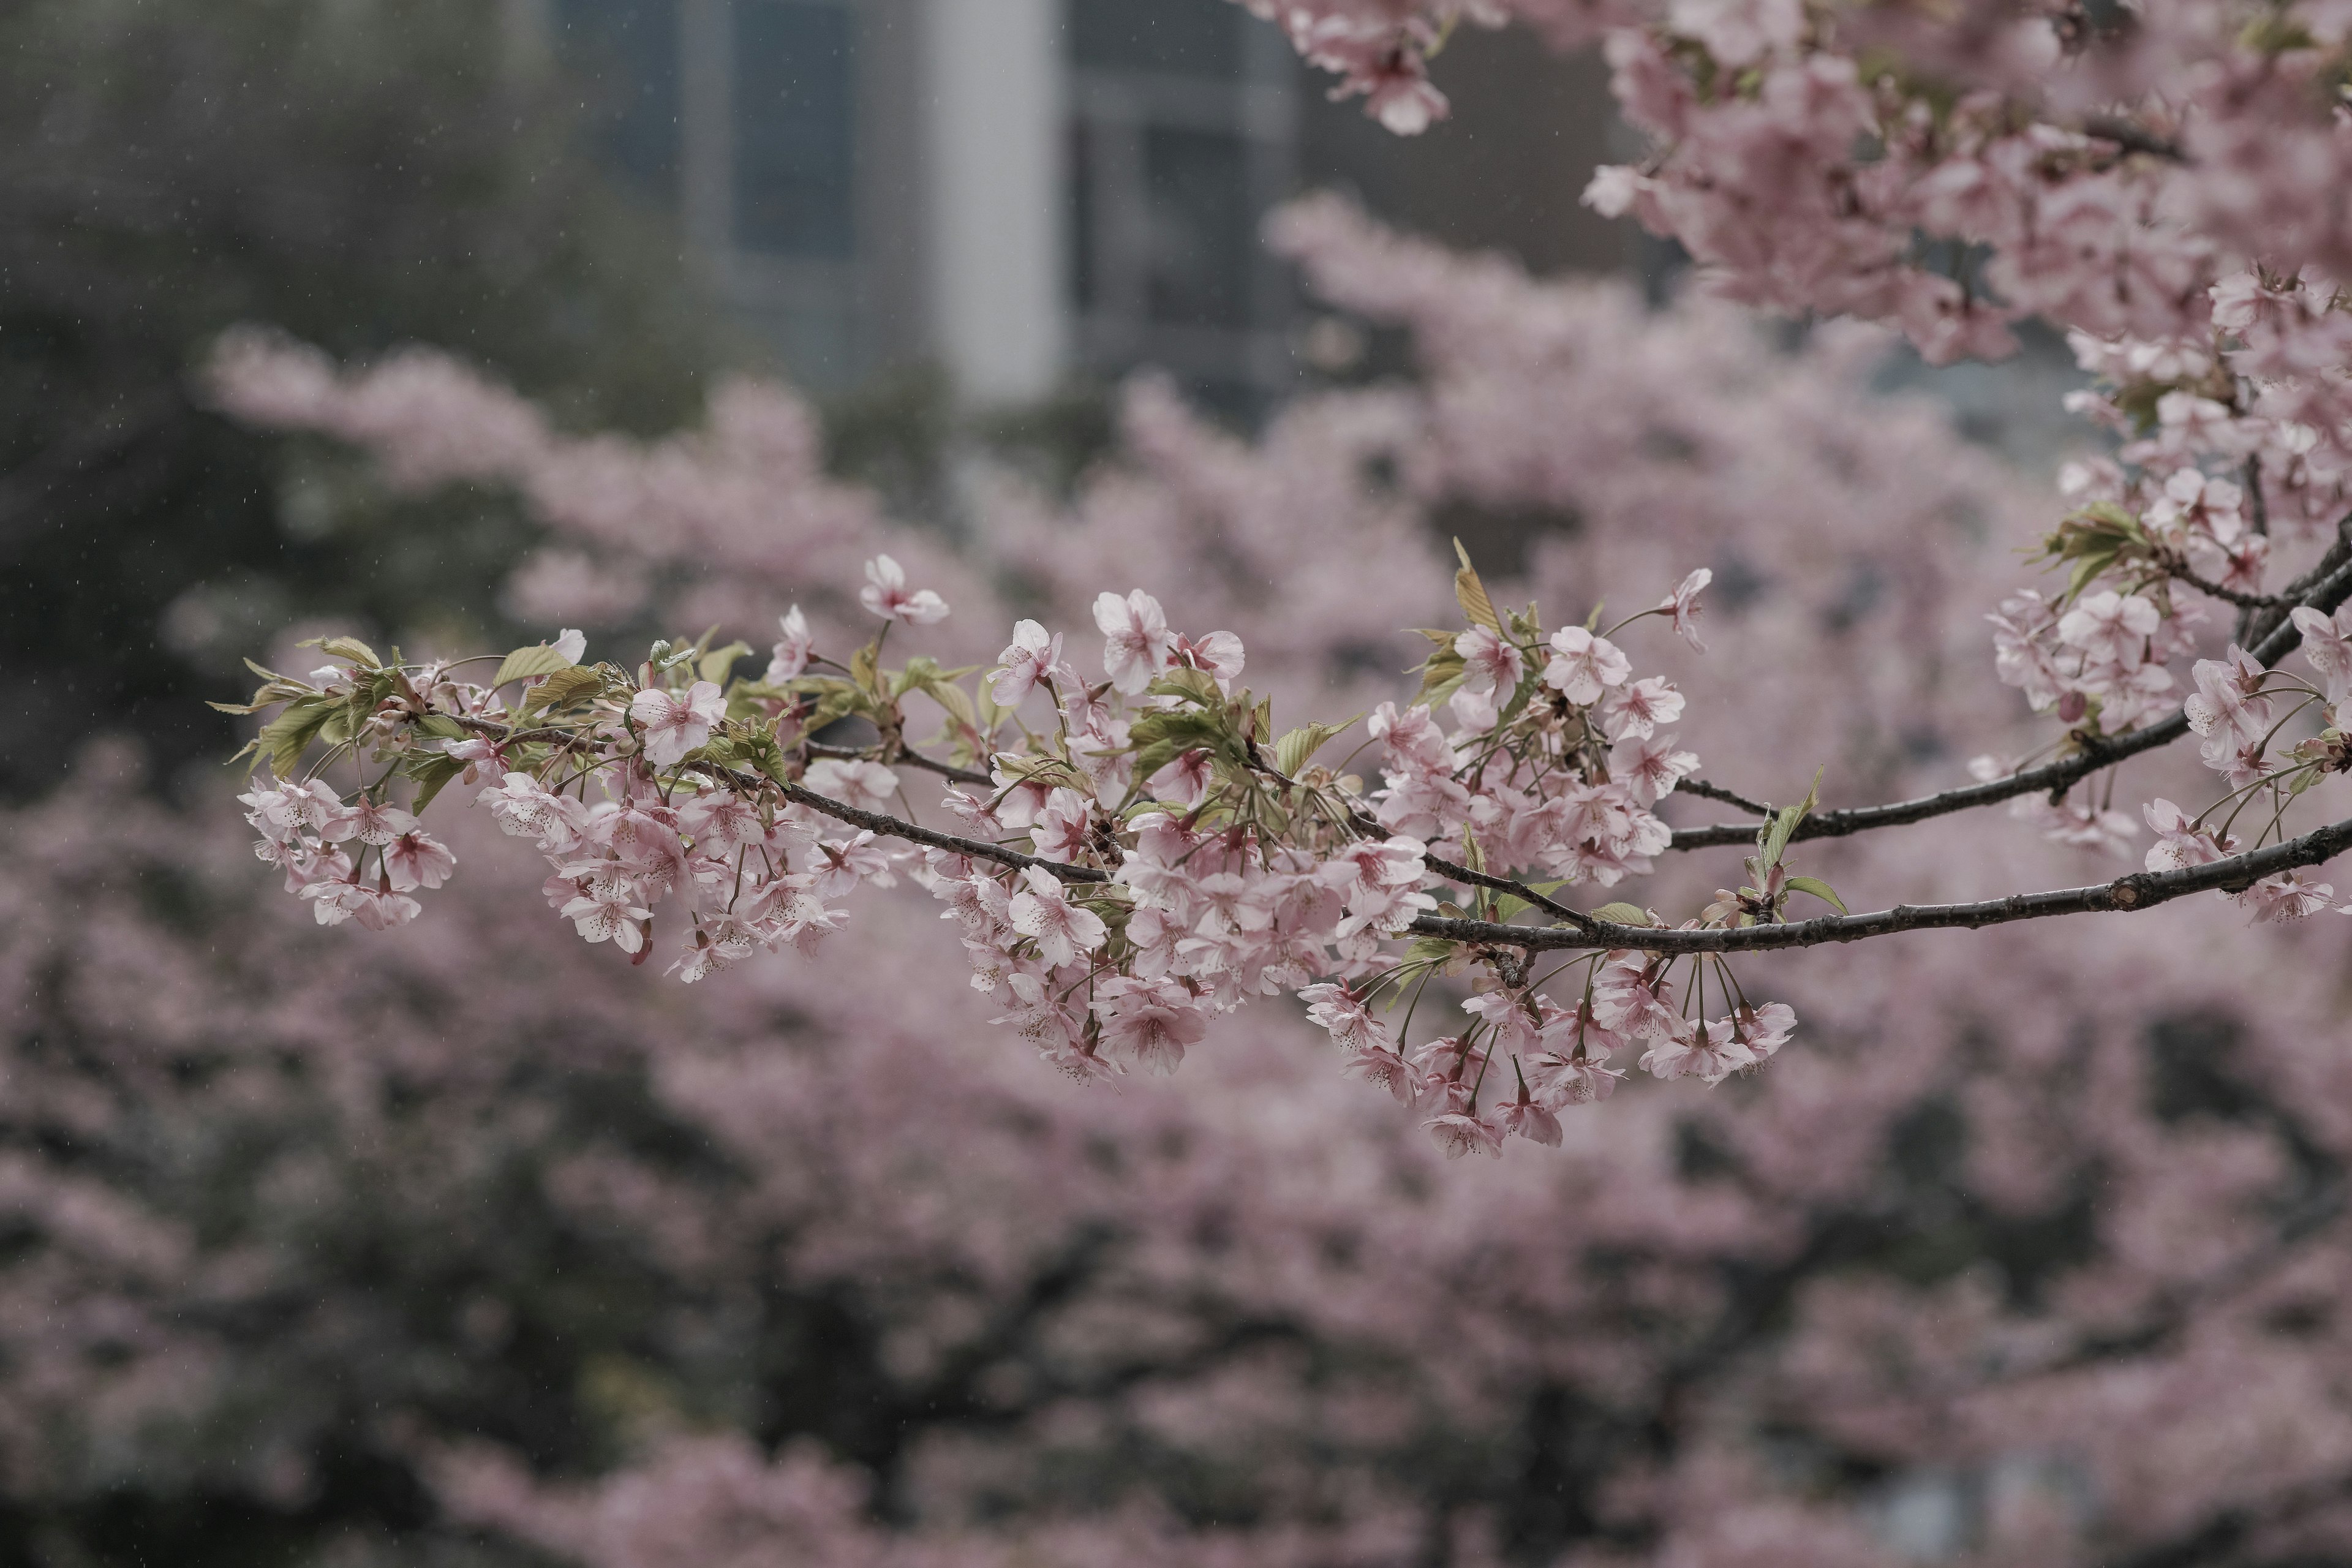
(1025, 663)
(1458, 1133)
(1384, 1069)
(1219, 653)
(607, 910)
(2110, 627)
(791, 654)
(571, 643)
(2327, 645)
(724, 945)
(1649, 766)
(1527, 1119)
(373, 822)
(1699, 1049)
(672, 725)
(1584, 665)
(2228, 699)
(1062, 930)
(886, 595)
(1061, 830)
(2179, 842)
(523, 807)
(1137, 644)
(842, 864)
(1185, 780)
(2288, 895)
(866, 785)
(1147, 1024)
(1412, 738)
(1683, 605)
(417, 860)
(1341, 1013)
(1639, 708)
(1490, 662)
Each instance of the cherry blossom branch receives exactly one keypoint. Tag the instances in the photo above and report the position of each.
(893, 827)
(2142, 890)
(2323, 588)
(1707, 791)
(911, 758)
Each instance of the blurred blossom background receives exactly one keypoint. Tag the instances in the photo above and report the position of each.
(468, 1245)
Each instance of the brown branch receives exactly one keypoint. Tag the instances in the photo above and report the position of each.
(2140, 891)
(2324, 587)
(909, 756)
(2132, 137)
(1707, 791)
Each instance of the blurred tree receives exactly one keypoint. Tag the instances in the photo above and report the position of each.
(363, 174)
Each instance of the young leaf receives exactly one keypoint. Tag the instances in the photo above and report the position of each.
(1295, 749)
(529, 663)
(1774, 839)
(719, 661)
(1471, 593)
(1819, 890)
(285, 738)
(1623, 914)
(430, 771)
(563, 689)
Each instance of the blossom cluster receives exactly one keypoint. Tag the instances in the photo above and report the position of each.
(1134, 855)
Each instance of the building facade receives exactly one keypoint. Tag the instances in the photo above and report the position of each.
(1021, 190)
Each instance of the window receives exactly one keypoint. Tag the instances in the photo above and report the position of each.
(625, 53)
(792, 105)
(1181, 136)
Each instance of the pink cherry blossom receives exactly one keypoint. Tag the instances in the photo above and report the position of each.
(1025, 663)
(790, 656)
(417, 860)
(886, 595)
(674, 724)
(1137, 644)
(1062, 930)
(1490, 662)
(1584, 665)
(1683, 607)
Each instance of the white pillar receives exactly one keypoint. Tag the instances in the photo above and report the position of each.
(993, 161)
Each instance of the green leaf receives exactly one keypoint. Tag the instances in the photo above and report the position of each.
(562, 689)
(431, 773)
(351, 649)
(1623, 914)
(285, 738)
(1819, 890)
(441, 727)
(1774, 840)
(865, 669)
(1193, 685)
(1430, 950)
(1471, 593)
(719, 661)
(529, 663)
(1295, 749)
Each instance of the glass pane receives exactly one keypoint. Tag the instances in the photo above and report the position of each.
(625, 53)
(1182, 37)
(793, 103)
(1201, 239)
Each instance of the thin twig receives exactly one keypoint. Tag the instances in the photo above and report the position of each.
(1707, 791)
(2143, 889)
(2324, 587)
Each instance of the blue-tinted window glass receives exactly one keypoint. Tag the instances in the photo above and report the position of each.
(792, 106)
(1201, 239)
(1180, 37)
(625, 53)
